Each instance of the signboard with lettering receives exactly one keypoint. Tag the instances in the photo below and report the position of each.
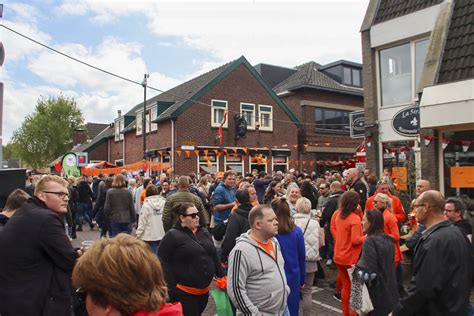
(400, 177)
(407, 121)
(357, 123)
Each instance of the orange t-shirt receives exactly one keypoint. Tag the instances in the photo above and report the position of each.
(268, 248)
(397, 207)
(348, 238)
(391, 228)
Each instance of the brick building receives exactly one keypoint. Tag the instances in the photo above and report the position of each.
(418, 89)
(182, 126)
(322, 98)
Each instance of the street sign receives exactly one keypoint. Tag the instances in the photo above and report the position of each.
(82, 159)
(357, 124)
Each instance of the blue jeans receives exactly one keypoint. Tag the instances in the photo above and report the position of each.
(117, 228)
(153, 245)
(82, 212)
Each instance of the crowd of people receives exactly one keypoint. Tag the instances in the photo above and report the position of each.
(260, 237)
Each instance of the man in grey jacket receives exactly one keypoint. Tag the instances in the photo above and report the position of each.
(256, 281)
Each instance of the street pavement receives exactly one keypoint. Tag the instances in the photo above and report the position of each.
(323, 302)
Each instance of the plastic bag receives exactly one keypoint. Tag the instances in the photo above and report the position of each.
(223, 306)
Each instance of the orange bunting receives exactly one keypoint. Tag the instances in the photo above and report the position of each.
(245, 149)
(170, 152)
(303, 162)
(196, 152)
(206, 151)
(234, 150)
(179, 152)
(311, 163)
(215, 151)
(188, 153)
(295, 146)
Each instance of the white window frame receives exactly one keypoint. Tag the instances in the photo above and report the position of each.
(154, 116)
(232, 163)
(218, 124)
(251, 124)
(413, 74)
(216, 163)
(139, 122)
(250, 162)
(265, 128)
(118, 126)
(286, 164)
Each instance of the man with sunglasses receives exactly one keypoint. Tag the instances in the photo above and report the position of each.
(37, 257)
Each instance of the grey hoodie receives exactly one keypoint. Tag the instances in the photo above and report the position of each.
(256, 283)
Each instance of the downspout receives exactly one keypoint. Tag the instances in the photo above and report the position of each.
(172, 149)
(123, 150)
(108, 149)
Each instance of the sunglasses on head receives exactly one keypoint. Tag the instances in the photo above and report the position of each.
(192, 215)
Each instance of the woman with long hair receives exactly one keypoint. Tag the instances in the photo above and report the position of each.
(347, 232)
(190, 260)
(119, 208)
(376, 265)
(292, 245)
(274, 190)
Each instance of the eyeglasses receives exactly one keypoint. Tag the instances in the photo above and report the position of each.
(419, 205)
(192, 215)
(61, 195)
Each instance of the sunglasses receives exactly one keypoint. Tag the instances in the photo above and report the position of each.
(192, 215)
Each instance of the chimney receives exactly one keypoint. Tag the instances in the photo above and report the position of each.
(79, 136)
(119, 113)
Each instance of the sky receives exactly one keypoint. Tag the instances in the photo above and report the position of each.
(173, 41)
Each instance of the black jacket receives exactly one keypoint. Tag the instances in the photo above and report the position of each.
(441, 281)
(330, 208)
(85, 192)
(360, 188)
(237, 225)
(36, 263)
(188, 259)
(377, 257)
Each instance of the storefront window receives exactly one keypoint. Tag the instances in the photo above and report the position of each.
(280, 163)
(207, 163)
(234, 162)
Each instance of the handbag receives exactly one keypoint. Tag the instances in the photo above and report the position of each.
(223, 306)
(359, 300)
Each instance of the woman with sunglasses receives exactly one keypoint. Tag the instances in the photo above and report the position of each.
(189, 260)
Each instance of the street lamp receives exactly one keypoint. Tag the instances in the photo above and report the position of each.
(144, 84)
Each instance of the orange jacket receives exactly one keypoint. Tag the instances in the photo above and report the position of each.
(348, 238)
(391, 228)
(397, 207)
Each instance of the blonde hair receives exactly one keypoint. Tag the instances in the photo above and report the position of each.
(385, 199)
(43, 182)
(119, 181)
(303, 205)
(122, 272)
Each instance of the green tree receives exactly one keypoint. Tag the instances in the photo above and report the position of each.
(47, 133)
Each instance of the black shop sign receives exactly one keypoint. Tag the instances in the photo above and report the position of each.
(407, 121)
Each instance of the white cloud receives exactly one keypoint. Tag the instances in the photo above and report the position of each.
(22, 11)
(17, 47)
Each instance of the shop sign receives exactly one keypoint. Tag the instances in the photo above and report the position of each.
(69, 163)
(407, 121)
(357, 124)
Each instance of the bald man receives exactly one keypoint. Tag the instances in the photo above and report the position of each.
(441, 281)
(354, 180)
(410, 242)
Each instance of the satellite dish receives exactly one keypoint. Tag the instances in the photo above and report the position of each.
(2, 54)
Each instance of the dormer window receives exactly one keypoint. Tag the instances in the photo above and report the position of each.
(351, 77)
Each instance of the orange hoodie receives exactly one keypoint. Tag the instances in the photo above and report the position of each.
(391, 228)
(348, 238)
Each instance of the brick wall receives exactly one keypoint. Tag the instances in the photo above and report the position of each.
(194, 125)
(430, 161)
(99, 153)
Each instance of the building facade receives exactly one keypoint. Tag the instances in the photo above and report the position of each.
(322, 97)
(418, 90)
(192, 127)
